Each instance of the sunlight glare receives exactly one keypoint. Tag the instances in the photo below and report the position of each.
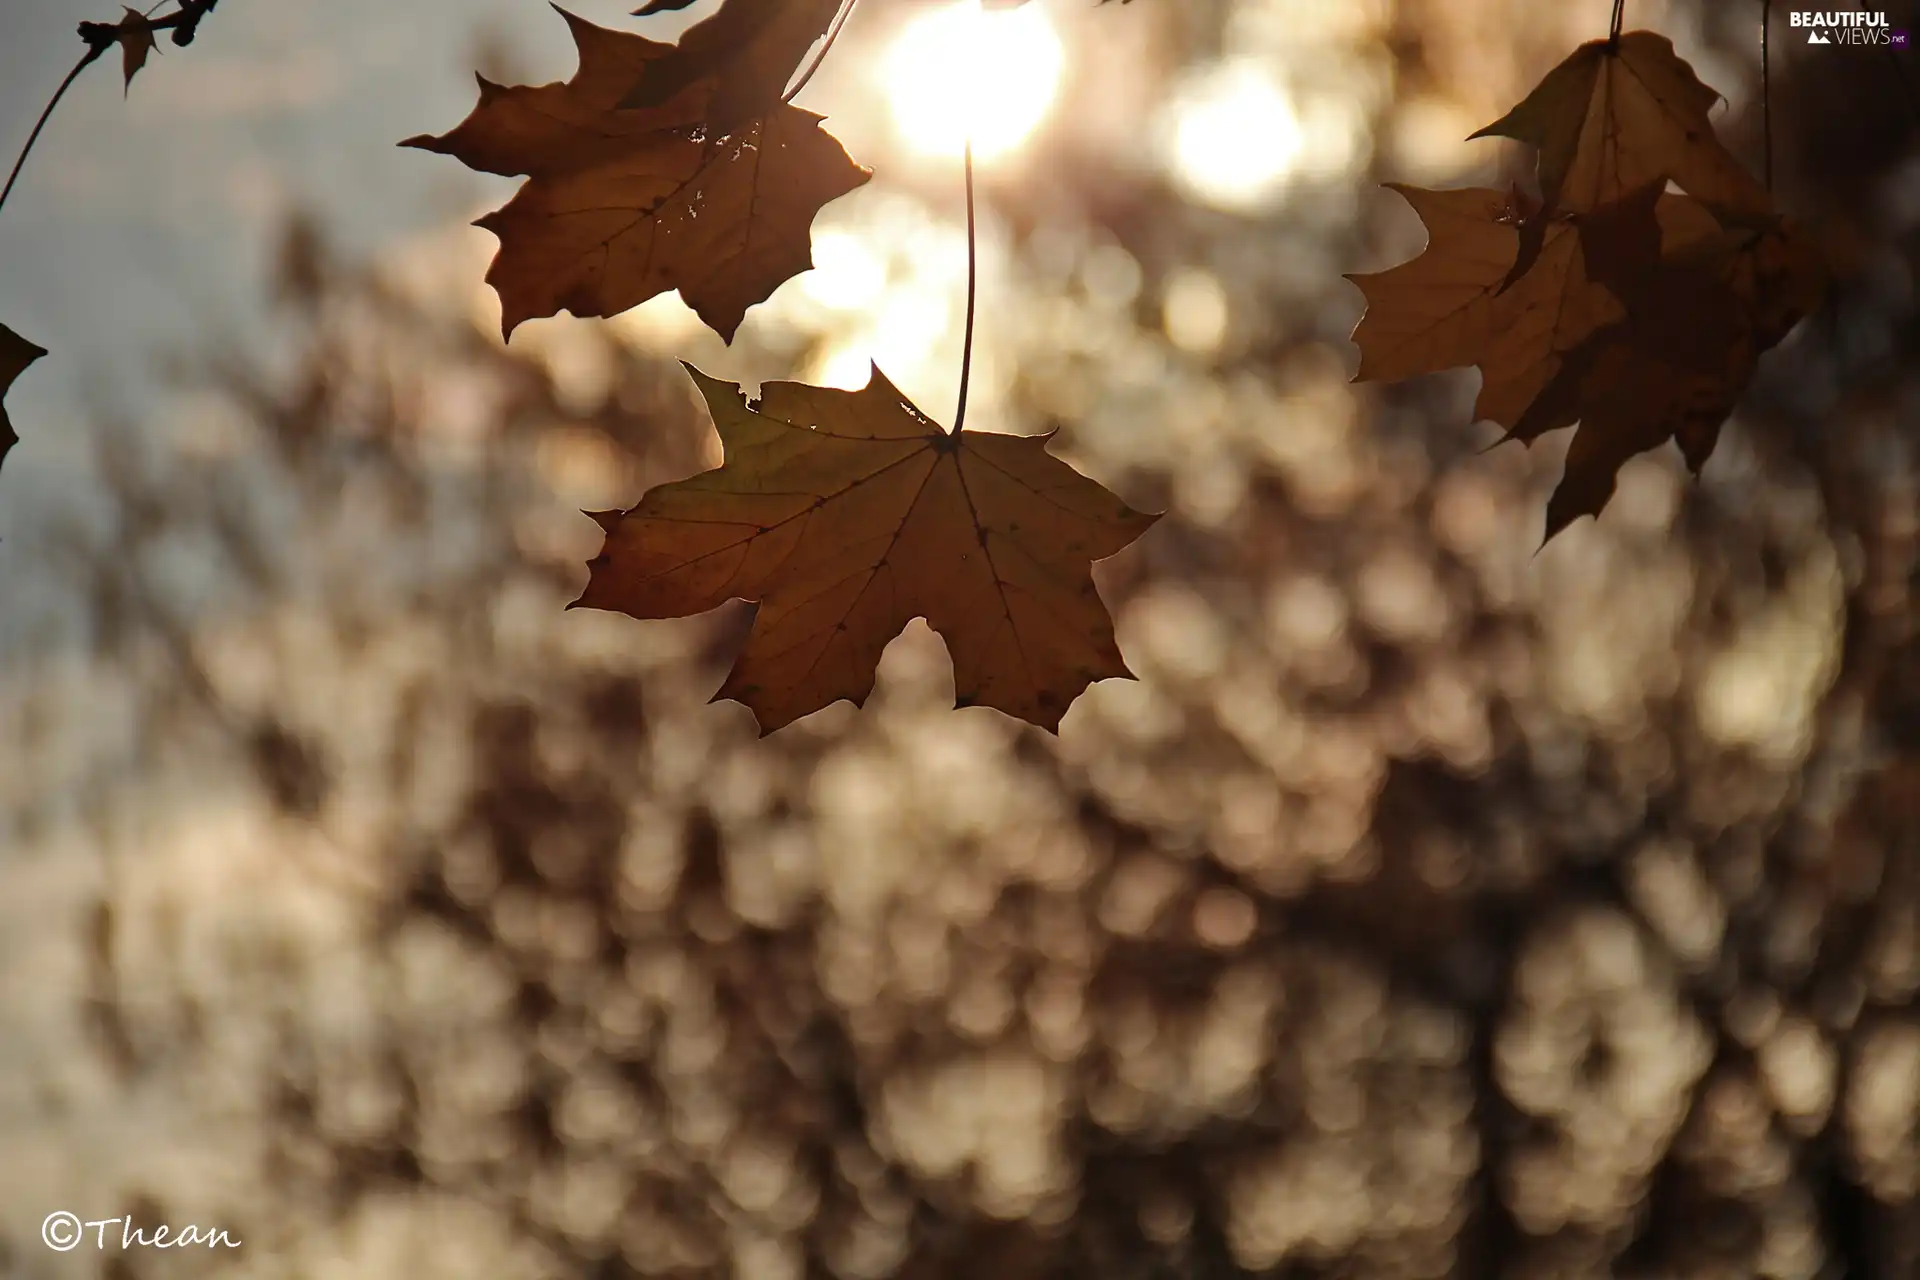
(845, 365)
(1236, 138)
(958, 68)
(846, 275)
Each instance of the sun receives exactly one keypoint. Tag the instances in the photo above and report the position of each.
(956, 70)
(1237, 138)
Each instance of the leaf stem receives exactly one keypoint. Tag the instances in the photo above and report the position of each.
(833, 33)
(1619, 17)
(94, 50)
(1766, 100)
(973, 291)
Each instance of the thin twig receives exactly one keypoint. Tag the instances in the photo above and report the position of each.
(1766, 99)
(183, 22)
(93, 51)
(833, 33)
(1619, 17)
(973, 289)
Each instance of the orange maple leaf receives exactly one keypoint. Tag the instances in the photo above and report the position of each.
(622, 205)
(847, 514)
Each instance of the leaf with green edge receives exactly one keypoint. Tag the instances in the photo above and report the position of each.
(847, 514)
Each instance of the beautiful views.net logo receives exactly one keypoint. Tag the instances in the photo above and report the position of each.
(1838, 27)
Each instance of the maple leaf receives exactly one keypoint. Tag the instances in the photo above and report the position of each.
(1641, 320)
(619, 206)
(1672, 290)
(1628, 398)
(1614, 116)
(1776, 270)
(1697, 321)
(135, 34)
(1445, 308)
(847, 514)
(16, 353)
(746, 52)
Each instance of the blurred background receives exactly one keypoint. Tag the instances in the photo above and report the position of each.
(1428, 907)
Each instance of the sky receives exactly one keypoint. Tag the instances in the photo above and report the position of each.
(144, 220)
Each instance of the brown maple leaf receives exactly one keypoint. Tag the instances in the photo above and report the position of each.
(1641, 320)
(1614, 116)
(1776, 270)
(622, 205)
(1628, 398)
(16, 353)
(135, 34)
(1445, 308)
(746, 52)
(847, 514)
(1697, 321)
(1672, 288)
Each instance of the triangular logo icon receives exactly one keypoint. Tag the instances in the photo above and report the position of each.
(1814, 37)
